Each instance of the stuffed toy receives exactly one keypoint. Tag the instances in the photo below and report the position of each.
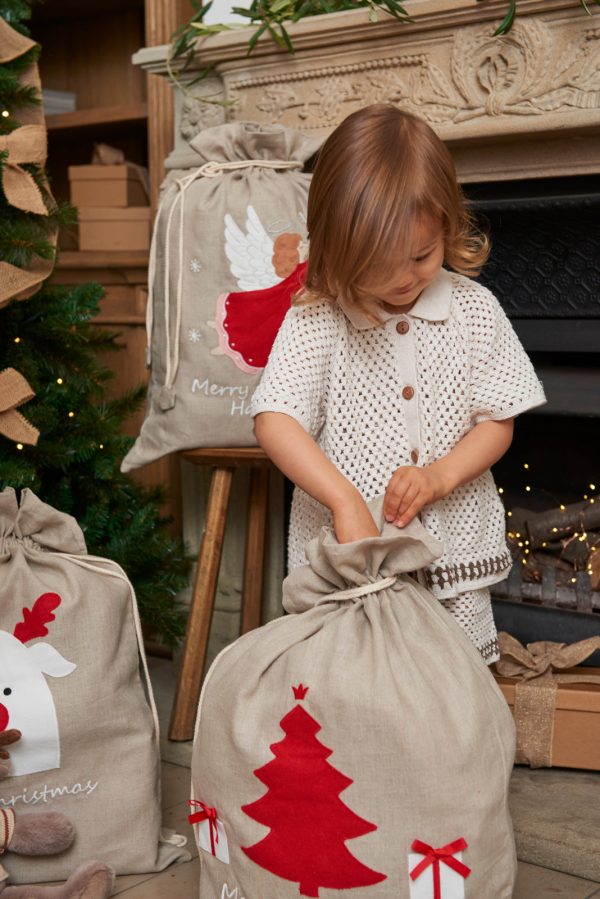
(45, 833)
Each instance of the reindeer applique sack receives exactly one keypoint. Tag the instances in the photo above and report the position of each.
(72, 674)
(359, 746)
(228, 252)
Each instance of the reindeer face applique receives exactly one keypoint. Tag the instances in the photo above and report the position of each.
(26, 702)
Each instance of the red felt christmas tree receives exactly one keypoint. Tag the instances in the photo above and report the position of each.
(309, 822)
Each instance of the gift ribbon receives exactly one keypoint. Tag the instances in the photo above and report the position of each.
(538, 668)
(25, 144)
(207, 814)
(14, 391)
(433, 857)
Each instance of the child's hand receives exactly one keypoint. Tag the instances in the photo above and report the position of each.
(410, 489)
(352, 520)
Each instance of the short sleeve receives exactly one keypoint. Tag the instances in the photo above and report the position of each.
(296, 377)
(503, 380)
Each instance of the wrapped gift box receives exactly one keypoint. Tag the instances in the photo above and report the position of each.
(114, 229)
(107, 185)
(576, 731)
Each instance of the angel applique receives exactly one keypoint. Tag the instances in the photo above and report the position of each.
(268, 274)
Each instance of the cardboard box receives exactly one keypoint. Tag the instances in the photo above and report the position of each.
(107, 185)
(576, 738)
(114, 229)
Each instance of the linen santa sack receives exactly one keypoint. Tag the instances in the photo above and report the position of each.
(358, 746)
(227, 255)
(70, 656)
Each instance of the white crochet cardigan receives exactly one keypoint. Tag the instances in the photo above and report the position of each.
(371, 396)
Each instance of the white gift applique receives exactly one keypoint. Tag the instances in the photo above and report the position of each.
(437, 873)
(210, 832)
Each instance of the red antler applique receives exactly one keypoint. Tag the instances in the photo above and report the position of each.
(35, 619)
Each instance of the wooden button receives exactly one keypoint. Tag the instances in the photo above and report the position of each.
(414, 456)
(408, 393)
(402, 327)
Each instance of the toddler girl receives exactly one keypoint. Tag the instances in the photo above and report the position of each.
(391, 374)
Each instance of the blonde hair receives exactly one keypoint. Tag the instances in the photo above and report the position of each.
(377, 173)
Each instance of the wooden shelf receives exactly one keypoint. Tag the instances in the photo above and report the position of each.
(82, 259)
(99, 115)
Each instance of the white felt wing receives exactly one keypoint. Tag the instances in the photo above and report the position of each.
(250, 254)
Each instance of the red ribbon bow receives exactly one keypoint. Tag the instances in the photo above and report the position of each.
(207, 814)
(434, 857)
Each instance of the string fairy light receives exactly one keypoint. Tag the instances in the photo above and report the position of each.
(17, 340)
(5, 113)
(19, 446)
(71, 415)
(59, 380)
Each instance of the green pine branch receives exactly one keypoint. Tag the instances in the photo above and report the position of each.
(75, 466)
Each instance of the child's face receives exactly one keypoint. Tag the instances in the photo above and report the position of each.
(403, 287)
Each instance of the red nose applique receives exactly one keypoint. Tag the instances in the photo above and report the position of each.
(3, 717)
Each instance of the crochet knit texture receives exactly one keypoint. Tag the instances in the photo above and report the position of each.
(344, 384)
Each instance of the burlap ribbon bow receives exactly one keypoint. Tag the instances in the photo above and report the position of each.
(14, 391)
(26, 144)
(538, 666)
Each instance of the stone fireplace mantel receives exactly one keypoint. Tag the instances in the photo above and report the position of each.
(519, 106)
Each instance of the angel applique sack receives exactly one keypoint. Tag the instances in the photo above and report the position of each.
(228, 253)
(358, 746)
(74, 685)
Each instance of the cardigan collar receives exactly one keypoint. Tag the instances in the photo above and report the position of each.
(433, 305)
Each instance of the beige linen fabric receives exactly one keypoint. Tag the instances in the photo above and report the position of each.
(401, 698)
(79, 694)
(224, 228)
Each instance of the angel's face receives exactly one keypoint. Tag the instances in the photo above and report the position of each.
(286, 255)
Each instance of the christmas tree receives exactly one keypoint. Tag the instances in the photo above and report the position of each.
(309, 822)
(49, 339)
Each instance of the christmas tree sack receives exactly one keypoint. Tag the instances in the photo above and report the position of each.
(358, 746)
(228, 253)
(73, 682)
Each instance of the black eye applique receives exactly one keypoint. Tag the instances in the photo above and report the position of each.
(7, 691)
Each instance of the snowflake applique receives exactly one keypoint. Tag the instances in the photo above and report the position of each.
(195, 265)
(194, 335)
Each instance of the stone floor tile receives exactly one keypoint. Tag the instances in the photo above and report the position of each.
(127, 881)
(178, 882)
(176, 785)
(534, 882)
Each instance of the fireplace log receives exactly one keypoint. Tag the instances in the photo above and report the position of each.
(540, 526)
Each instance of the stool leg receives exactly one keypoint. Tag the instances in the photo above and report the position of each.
(185, 706)
(254, 558)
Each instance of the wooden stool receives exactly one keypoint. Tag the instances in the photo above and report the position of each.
(224, 462)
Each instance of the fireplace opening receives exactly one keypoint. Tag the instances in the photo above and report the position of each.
(544, 268)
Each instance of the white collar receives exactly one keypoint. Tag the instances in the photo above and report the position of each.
(433, 304)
